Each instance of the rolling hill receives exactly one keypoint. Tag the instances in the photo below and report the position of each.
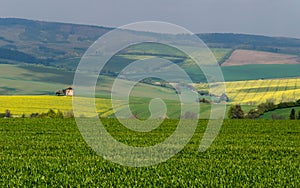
(37, 42)
(63, 44)
(39, 57)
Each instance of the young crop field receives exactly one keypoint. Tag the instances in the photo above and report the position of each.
(260, 71)
(246, 153)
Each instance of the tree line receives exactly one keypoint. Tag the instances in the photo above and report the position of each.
(236, 111)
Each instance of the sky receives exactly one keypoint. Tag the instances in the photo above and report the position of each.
(261, 17)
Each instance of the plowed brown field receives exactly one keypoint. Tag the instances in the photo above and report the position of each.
(245, 57)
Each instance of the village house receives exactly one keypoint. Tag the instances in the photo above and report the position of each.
(65, 92)
(69, 91)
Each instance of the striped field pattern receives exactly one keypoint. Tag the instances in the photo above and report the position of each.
(254, 92)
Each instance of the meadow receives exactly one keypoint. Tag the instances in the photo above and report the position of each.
(32, 80)
(246, 153)
(17, 78)
(256, 72)
(280, 113)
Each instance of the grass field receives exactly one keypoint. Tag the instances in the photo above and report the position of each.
(32, 80)
(255, 72)
(22, 79)
(280, 113)
(51, 152)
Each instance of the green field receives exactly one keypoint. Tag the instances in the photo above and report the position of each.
(280, 113)
(29, 80)
(32, 80)
(51, 152)
(255, 72)
(41, 80)
(40, 150)
(25, 79)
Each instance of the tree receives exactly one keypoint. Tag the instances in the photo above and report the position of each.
(298, 115)
(293, 114)
(253, 114)
(7, 114)
(203, 100)
(236, 112)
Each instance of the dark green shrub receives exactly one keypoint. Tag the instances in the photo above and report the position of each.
(7, 114)
(253, 114)
(34, 115)
(236, 112)
(293, 114)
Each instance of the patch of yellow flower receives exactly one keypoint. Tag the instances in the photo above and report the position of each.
(27, 105)
(258, 91)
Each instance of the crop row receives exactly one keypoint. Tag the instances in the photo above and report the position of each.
(51, 152)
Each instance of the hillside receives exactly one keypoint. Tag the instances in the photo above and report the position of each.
(45, 42)
(32, 80)
(252, 42)
(63, 44)
(39, 57)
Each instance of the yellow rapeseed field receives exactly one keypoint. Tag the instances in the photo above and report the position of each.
(27, 105)
(254, 92)
(258, 91)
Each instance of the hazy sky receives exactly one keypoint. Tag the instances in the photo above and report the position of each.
(267, 17)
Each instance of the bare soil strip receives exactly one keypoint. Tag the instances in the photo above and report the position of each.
(245, 57)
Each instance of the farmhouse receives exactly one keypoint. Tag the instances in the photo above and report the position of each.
(69, 91)
(65, 92)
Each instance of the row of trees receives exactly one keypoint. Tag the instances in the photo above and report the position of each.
(236, 112)
(50, 114)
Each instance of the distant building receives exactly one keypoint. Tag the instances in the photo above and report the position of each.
(224, 98)
(69, 91)
(65, 92)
